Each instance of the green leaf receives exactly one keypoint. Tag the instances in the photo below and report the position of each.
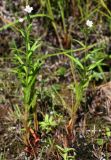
(100, 141)
(105, 6)
(108, 132)
(21, 62)
(92, 66)
(60, 148)
(22, 32)
(33, 102)
(80, 43)
(29, 27)
(28, 46)
(61, 71)
(46, 118)
(78, 91)
(56, 87)
(36, 45)
(77, 61)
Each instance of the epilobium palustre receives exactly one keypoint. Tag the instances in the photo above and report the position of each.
(21, 20)
(89, 23)
(28, 9)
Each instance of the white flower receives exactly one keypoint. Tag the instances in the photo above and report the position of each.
(28, 9)
(52, 112)
(39, 78)
(89, 23)
(21, 20)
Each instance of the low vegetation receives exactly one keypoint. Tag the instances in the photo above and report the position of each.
(55, 80)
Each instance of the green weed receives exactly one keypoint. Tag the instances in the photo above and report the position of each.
(27, 70)
(48, 123)
(64, 152)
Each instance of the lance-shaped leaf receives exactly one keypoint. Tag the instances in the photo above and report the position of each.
(92, 66)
